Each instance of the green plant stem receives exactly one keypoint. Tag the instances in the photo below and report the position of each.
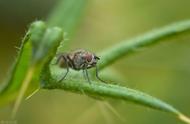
(131, 46)
(51, 76)
(23, 89)
(101, 90)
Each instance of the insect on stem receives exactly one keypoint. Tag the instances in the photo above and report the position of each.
(78, 60)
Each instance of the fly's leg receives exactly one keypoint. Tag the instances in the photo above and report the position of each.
(58, 59)
(64, 75)
(84, 75)
(86, 72)
(67, 67)
(97, 76)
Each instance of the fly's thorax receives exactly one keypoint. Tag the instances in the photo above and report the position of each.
(78, 60)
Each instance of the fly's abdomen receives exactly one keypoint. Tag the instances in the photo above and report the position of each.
(61, 61)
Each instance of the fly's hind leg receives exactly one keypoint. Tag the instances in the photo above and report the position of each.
(64, 75)
(67, 71)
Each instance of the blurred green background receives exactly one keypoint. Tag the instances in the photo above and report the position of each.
(162, 70)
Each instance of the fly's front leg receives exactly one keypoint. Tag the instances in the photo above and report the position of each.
(97, 76)
(86, 72)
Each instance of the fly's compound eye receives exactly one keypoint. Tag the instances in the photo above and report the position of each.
(88, 57)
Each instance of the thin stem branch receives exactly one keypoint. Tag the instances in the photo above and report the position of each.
(153, 37)
(23, 89)
(184, 118)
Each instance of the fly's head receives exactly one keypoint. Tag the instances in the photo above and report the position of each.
(91, 59)
(84, 59)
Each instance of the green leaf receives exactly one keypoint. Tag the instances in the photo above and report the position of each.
(38, 47)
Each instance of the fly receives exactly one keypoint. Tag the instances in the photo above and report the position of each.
(78, 60)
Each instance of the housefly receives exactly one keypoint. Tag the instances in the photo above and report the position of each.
(78, 60)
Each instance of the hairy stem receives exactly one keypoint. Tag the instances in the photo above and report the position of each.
(101, 91)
